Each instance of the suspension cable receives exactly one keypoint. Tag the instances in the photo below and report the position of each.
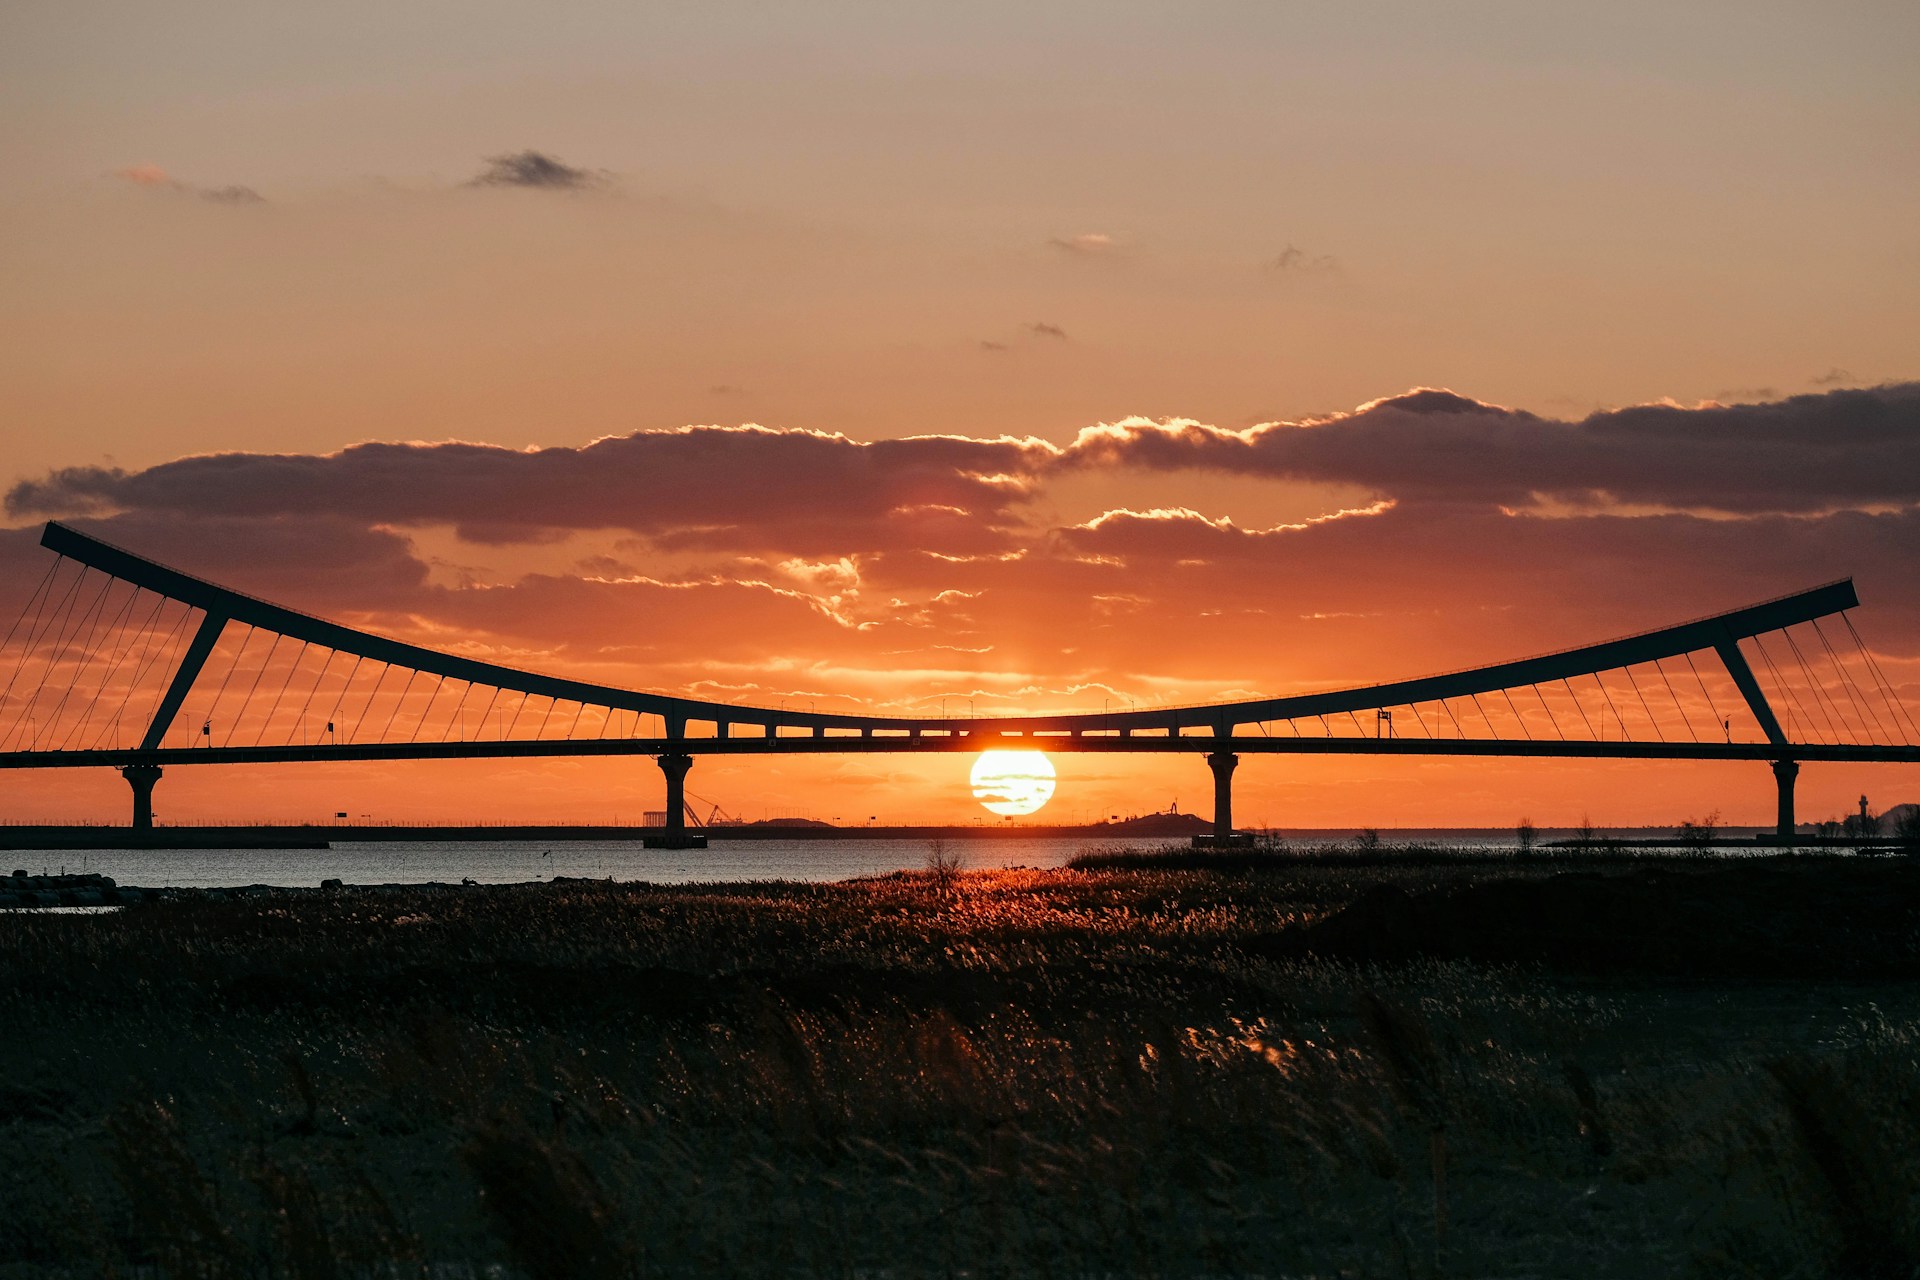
(1508, 695)
(412, 673)
(1847, 683)
(307, 703)
(63, 635)
(1725, 723)
(206, 725)
(120, 652)
(91, 621)
(1582, 710)
(281, 692)
(1551, 718)
(150, 654)
(482, 733)
(1657, 732)
(1475, 699)
(1873, 664)
(366, 708)
(439, 683)
(340, 699)
(42, 623)
(1819, 696)
(1796, 713)
(35, 603)
(1673, 693)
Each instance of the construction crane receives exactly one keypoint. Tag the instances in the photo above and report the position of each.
(716, 816)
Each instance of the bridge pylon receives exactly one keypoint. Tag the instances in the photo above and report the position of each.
(1222, 763)
(142, 777)
(673, 835)
(1784, 773)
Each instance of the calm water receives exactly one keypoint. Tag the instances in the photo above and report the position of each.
(510, 862)
(513, 862)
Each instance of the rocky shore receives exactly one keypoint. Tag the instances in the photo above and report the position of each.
(23, 890)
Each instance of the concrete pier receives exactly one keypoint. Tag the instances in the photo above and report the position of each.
(673, 835)
(1784, 773)
(1222, 764)
(142, 777)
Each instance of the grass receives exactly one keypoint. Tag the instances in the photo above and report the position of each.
(1152, 1070)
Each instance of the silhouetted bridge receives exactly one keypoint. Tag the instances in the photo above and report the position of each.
(118, 661)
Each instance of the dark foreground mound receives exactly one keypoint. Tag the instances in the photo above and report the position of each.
(1005, 1073)
(1853, 920)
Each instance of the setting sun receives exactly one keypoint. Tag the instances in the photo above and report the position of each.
(1012, 782)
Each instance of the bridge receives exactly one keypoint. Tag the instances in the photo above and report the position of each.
(118, 661)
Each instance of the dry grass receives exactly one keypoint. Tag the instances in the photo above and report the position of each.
(1011, 1073)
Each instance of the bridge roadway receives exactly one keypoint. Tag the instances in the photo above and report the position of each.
(692, 727)
(142, 768)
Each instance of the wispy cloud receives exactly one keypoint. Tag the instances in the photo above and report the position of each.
(537, 170)
(1832, 377)
(1088, 242)
(146, 175)
(153, 176)
(1295, 259)
(1746, 395)
(234, 194)
(1041, 329)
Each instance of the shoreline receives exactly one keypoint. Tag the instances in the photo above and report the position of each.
(292, 836)
(22, 891)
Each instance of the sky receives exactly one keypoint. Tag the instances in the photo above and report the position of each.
(1048, 356)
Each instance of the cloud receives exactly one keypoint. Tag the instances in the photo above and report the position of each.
(1832, 377)
(537, 170)
(233, 195)
(987, 344)
(1292, 258)
(1040, 329)
(1089, 242)
(146, 175)
(723, 487)
(1805, 454)
(153, 176)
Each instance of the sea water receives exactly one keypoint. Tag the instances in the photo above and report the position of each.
(364, 862)
(517, 861)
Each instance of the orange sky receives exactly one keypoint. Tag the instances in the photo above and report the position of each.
(262, 263)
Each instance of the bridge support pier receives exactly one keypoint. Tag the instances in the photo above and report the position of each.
(142, 777)
(1784, 773)
(1222, 763)
(673, 835)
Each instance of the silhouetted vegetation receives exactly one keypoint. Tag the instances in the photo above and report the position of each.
(1698, 835)
(1276, 1063)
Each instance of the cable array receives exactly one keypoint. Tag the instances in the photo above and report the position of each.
(90, 658)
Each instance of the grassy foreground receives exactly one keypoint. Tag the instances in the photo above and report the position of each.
(1341, 1067)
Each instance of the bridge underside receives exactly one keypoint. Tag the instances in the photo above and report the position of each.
(133, 665)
